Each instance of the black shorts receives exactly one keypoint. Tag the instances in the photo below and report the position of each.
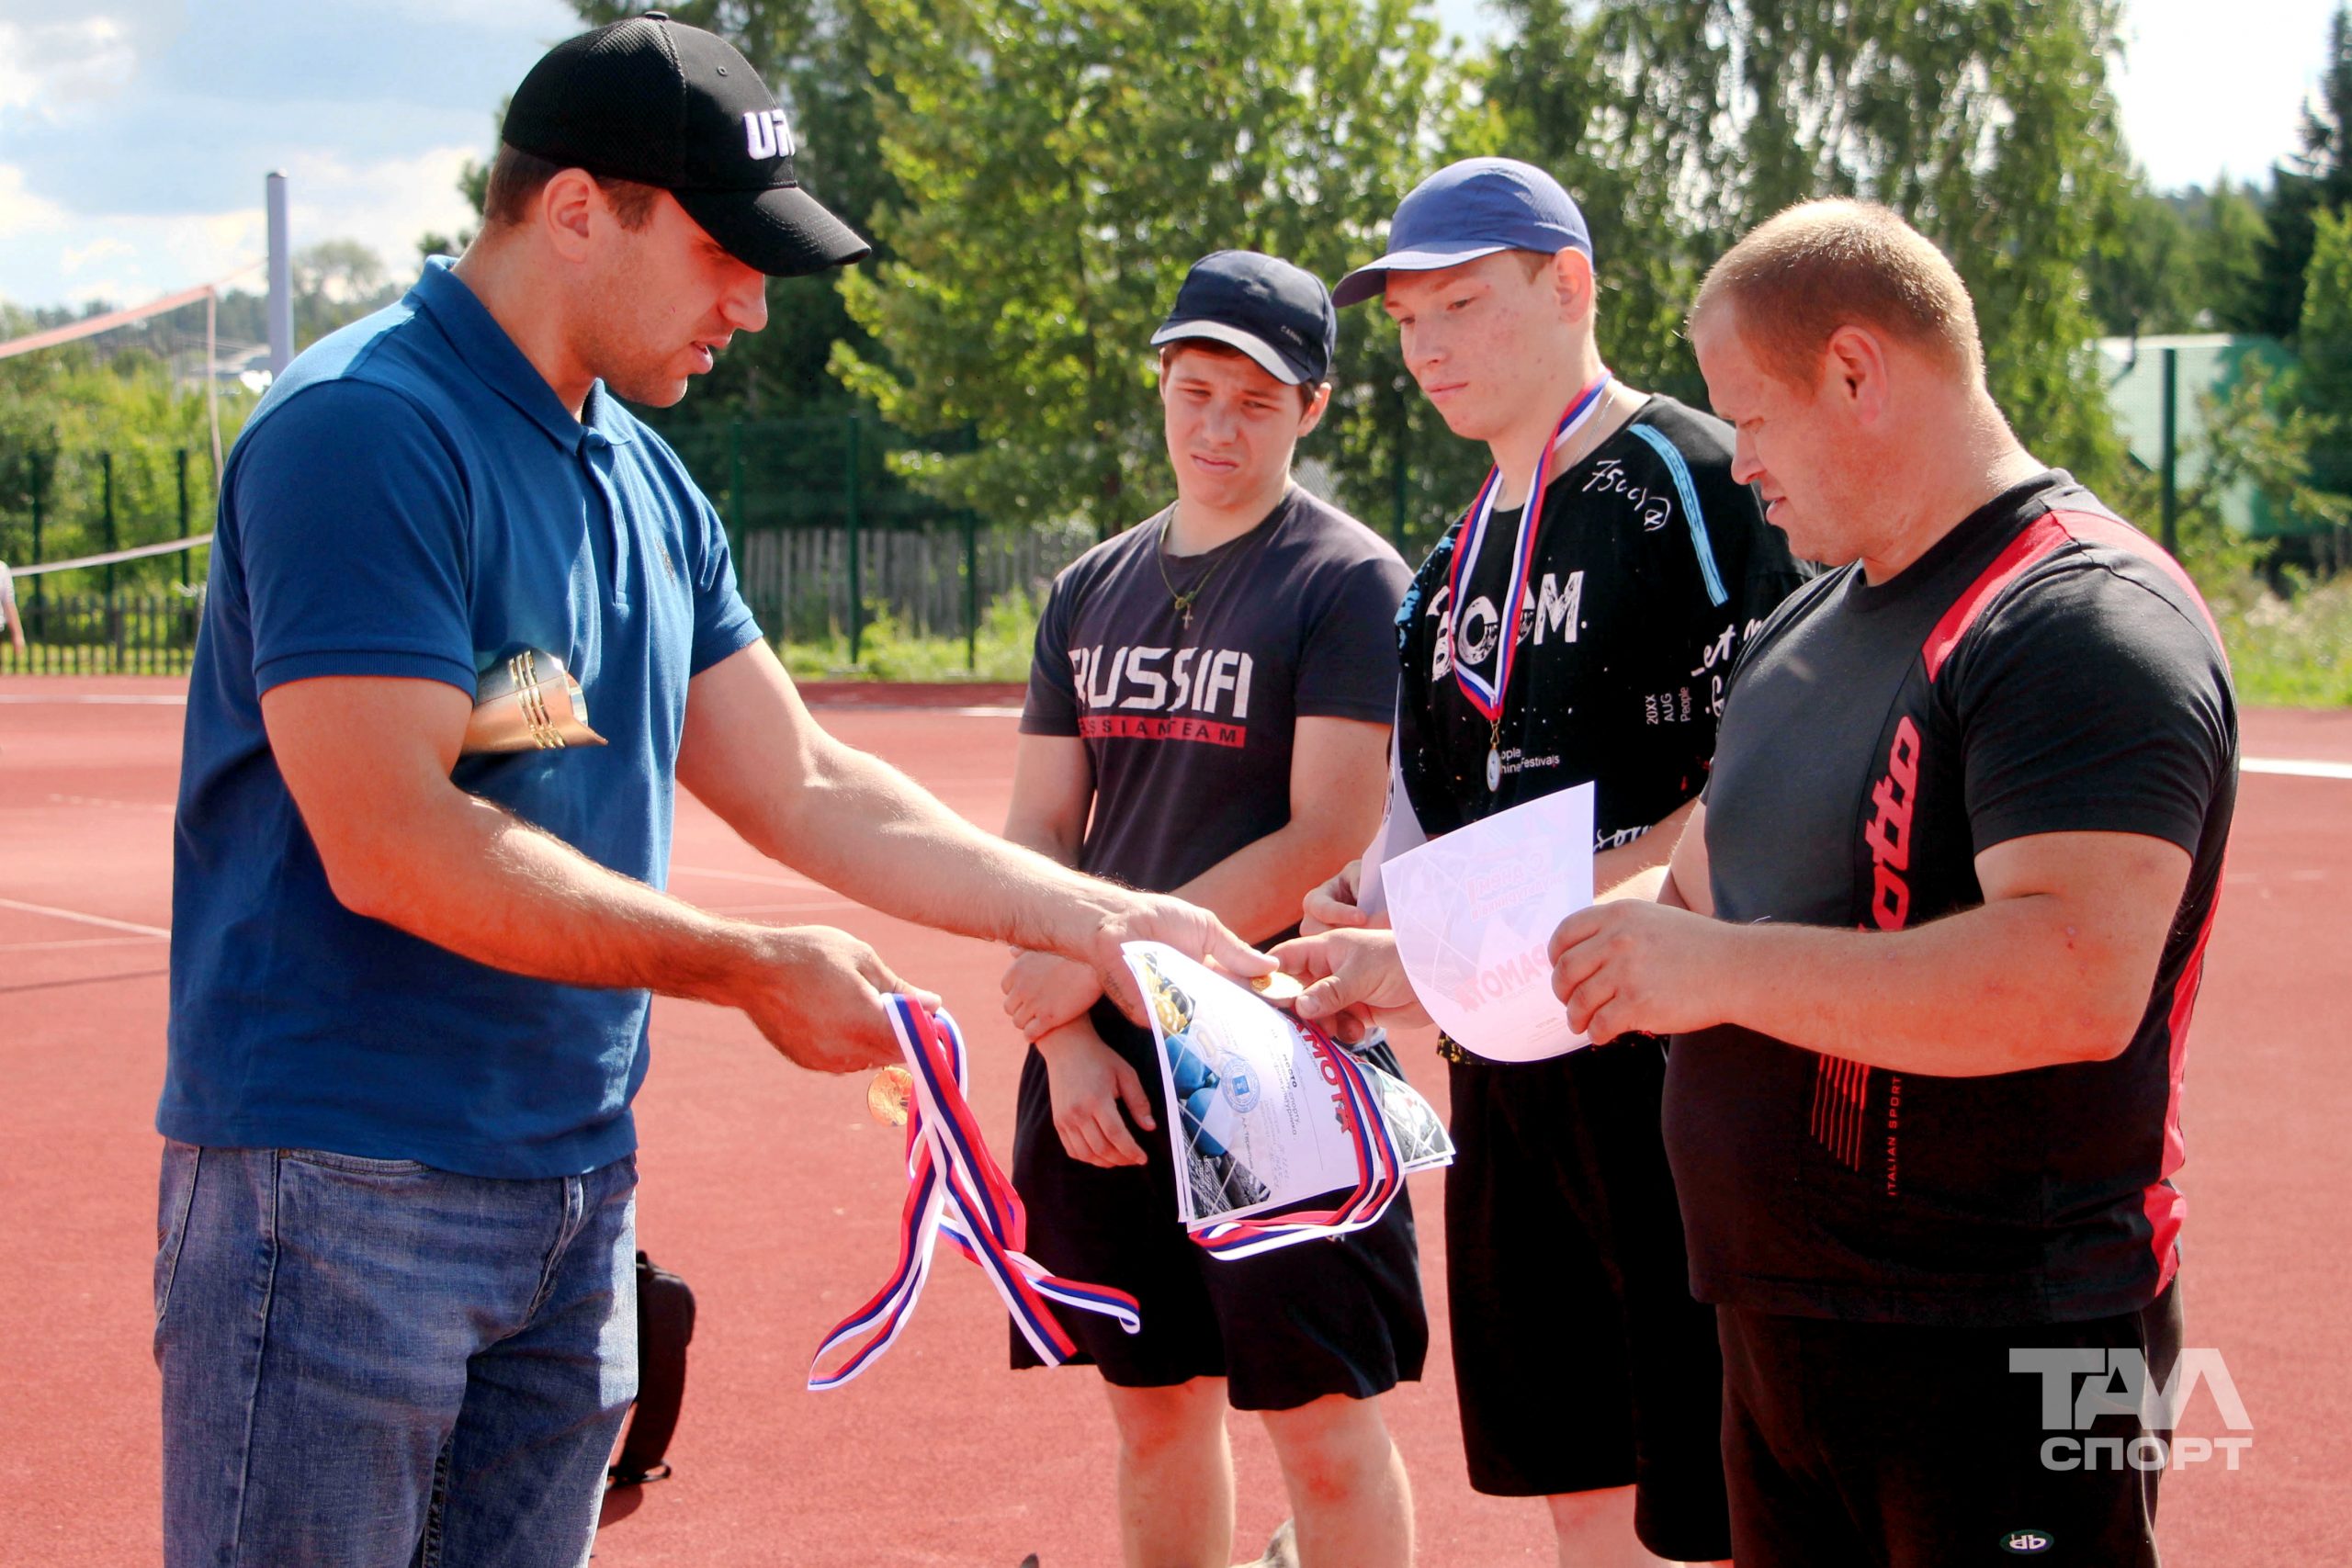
(1581, 1360)
(1876, 1444)
(1285, 1328)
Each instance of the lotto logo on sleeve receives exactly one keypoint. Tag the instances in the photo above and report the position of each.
(1158, 694)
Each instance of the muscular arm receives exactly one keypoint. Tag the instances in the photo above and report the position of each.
(367, 761)
(2055, 966)
(753, 755)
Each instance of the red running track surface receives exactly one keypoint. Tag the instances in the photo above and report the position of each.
(772, 1192)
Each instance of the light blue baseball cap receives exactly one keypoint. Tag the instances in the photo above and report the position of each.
(1470, 209)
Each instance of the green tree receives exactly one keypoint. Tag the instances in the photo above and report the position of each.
(1062, 161)
(2324, 375)
(63, 411)
(2317, 179)
(2143, 271)
(2231, 233)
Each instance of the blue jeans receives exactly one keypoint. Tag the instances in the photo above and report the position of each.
(368, 1363)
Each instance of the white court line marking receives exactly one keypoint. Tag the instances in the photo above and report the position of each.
(112, 925)
(2293, 767)
(76, 941)
(116, 805)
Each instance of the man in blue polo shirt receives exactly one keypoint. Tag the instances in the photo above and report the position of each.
(410, 981)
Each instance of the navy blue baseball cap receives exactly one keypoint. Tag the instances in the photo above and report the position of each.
(1470, 209)
(1279, 315)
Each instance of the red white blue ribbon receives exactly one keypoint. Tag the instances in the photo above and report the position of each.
(1485, 697)
(954, 1188)
(1380, 1170)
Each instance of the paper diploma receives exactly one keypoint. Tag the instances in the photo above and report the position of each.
(1474, 912)
(1258, 1124)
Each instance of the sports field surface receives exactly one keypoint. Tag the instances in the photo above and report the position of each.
(775, 1197)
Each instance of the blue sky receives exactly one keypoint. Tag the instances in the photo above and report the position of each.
(134, 134)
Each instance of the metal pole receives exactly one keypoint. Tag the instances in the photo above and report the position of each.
(183, 553)
(2171, 486)
(113, 626)
(40, 484)
(105, 469)
(281, 280)
(856, 591)
(971, 592)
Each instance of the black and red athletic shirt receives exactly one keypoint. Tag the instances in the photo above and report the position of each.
(1652, 567)
(2044, 668)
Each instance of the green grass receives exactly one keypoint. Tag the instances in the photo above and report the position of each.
(887, 651)
(2290, 650)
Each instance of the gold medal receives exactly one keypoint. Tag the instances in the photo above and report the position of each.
(889, 1095)
(1279, 988)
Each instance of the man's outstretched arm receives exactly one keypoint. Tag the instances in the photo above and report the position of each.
(752, 754)
(367, 761)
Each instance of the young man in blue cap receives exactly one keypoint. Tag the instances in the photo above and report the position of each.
(1208, 715)
(1577, 625)
(394, 1305)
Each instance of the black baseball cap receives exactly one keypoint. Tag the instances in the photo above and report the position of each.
(662, 104)
(1278, 314)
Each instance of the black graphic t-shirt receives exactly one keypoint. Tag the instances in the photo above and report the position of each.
(2042, 668)
(1190, 729)
(1651, 567)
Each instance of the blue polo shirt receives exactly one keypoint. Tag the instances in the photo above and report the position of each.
(411, 500)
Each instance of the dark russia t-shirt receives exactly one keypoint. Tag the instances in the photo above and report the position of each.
(2044, 668)
(1190, 728)
(1652, 565)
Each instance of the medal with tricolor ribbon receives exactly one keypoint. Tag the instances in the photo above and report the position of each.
(955, 1189)
(1379, 1165)
(1485, 697)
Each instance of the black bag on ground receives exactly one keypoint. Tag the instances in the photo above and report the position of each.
(666, 1322)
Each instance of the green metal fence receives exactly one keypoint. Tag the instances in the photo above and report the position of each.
(825, 535)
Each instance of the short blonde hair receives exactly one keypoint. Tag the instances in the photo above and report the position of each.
(1816, 266)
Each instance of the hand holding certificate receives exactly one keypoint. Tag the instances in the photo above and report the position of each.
(1268, 1114)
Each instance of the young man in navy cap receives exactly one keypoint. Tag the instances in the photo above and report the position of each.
(1584, 635)
(1207, 714)
(394, 1305)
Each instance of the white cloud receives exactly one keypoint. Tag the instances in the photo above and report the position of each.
(49, 68)
(105, 248)
(22, 212)
(384, 204)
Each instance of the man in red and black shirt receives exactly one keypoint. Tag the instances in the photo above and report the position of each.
(1960, 849)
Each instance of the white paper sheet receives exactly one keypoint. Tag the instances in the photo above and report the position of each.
(1400, 829)
(1474, 912)
(1253, 1121)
